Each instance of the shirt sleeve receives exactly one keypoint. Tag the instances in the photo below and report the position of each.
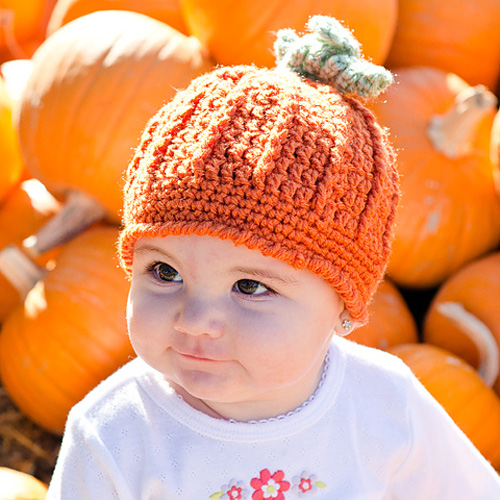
(85, 470)
(442, 463)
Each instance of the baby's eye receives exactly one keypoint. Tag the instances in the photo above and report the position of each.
(164, 272)
(251, 287)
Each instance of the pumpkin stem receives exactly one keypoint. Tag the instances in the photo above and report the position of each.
(479, 334)
(77, 214)
(41, 199)
(452, 132)
(20, 270)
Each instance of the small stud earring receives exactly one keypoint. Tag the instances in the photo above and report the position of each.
(346, 324)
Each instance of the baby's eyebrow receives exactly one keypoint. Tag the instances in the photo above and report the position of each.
(266, 275)
(140, 249)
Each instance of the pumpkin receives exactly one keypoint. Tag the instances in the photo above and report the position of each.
(17, 485)
(22, 26)
(15, 74)
(495, 147)
(243, 32)
(462, 37)
(95, 83)
(166, 11)
(459, 389)
(70, 333)
(450, 205)
(24, 211)
(10, 153)
(464, 315)
(391, 321)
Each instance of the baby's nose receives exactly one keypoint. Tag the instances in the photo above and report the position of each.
(198, 316)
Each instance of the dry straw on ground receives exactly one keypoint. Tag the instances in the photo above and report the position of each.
(24, 446)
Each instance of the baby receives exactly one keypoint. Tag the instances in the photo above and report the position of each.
(258, 218)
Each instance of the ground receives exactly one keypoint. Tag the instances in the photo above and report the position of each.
(23, 445)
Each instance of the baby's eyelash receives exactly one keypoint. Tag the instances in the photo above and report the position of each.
(249, 287)
(163, 272)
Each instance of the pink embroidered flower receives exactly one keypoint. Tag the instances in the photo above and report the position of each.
(269, 486)
(306, 483)
(235, 490)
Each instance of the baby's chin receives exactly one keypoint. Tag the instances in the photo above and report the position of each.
(214, 402)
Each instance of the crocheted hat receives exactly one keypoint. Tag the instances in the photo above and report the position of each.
(274, 161)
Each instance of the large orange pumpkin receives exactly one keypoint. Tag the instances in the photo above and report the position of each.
(464, 316)
(166, 11)
(95, 82)
(11, 160)
(460, 37)
(473, 405)
(70, 333)
(22, 214)
(17, 485)
(391, 321)
(243, 32)
(450, 205)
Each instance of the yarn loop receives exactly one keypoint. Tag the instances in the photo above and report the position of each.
(330, 54)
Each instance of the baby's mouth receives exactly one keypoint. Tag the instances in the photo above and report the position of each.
(196, 356)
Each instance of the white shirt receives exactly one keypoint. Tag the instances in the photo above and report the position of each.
(369, 432)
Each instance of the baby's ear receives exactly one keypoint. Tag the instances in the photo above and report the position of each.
(345, 324)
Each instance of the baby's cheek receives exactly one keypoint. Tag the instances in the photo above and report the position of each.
(144, 318)
(263, 339)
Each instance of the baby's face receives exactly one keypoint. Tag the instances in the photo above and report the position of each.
(243, 333)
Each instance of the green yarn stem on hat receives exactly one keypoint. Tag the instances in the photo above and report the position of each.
(330, 54)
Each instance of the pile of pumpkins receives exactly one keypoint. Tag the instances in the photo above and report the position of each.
(80, 78)
(17, 485)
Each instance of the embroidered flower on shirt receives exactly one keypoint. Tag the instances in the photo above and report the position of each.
(269, 485)
(235, 490)
(306, 483)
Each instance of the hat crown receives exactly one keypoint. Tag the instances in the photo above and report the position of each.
(262, 157)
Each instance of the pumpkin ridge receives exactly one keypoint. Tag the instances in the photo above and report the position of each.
(107, 135)
(261, 21)
(78, 98)
(29, 401)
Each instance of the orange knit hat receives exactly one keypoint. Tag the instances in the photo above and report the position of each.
(276, 162)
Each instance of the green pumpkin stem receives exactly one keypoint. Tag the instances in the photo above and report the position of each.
(330, 54)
